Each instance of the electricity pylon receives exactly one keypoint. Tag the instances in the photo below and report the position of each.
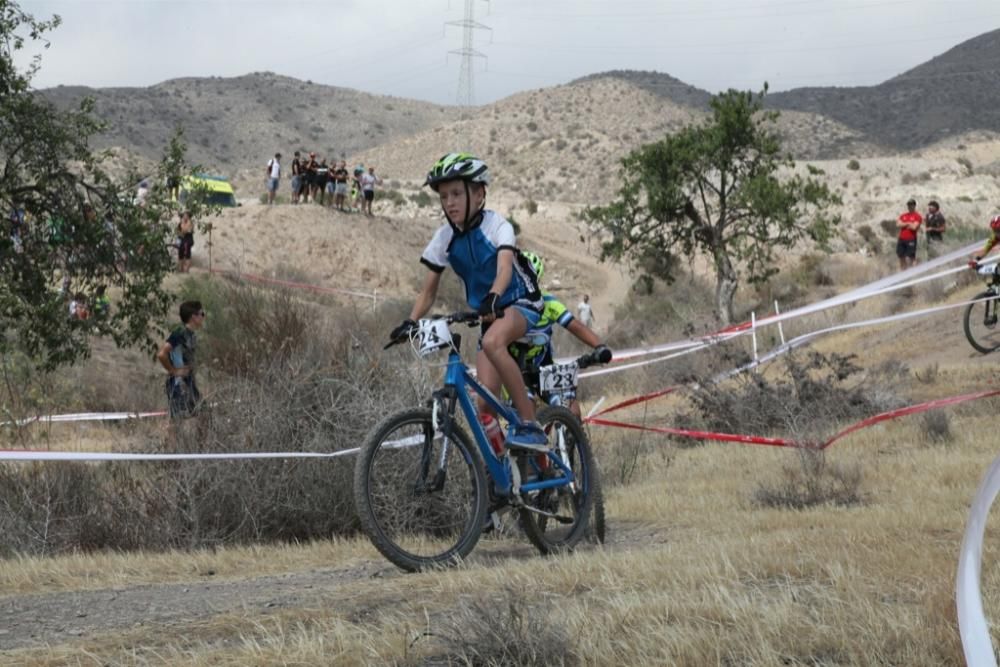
(466, 92)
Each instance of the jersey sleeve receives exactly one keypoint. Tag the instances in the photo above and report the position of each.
(435, 256)
(556, 311)
(499, 232)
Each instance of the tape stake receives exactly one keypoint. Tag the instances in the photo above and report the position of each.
(781, 331)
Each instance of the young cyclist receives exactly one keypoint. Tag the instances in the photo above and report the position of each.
(534, 350)
(991, 242)
(479, 245)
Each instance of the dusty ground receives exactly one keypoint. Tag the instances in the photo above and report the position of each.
(722, 580)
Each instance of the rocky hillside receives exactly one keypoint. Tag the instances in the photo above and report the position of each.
(953, 93)
(236, 122)
(557, 143)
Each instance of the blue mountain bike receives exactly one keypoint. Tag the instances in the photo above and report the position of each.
(423, 487)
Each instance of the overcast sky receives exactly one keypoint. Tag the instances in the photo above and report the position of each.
(400, 47)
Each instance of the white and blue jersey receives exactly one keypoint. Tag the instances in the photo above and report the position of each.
(472, 254)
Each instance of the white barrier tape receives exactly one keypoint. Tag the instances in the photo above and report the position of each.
(28, 455)
(972, 625)
(876, 288)
(83, 417)
(791, 344)
(897, 281)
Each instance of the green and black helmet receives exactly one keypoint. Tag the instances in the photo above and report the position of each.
(537, 265)
(458, 166)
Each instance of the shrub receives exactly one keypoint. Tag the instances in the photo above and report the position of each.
(853, 165)
(937, 427)
(889, 227)
(506, 632)
(929, 375)
(817, 393)
(285, 376)
(966, 164)
(531, 206)
(396, 197)
(532, 126)
(814, 481)
(812, 270)
(421, 198)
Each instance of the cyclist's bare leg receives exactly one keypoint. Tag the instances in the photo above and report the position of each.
(495, 366)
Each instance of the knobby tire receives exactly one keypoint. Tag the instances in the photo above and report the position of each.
(415, 525)
(975, 314)
(548, 535)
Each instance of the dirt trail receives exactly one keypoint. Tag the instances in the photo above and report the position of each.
(56, 618)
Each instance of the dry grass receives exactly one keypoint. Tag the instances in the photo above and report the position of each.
(695, 572)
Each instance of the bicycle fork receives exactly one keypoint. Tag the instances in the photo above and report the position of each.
(442, 411)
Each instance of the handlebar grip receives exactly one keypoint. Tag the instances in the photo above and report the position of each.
(604, 355)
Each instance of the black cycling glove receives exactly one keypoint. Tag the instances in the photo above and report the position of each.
(403, 330)
(490, 305)
(603, 353)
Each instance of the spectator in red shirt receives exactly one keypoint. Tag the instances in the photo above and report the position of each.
(909, 225)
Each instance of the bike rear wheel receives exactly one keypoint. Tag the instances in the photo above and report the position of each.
(572, 502)
(981, 327)
(418, 514)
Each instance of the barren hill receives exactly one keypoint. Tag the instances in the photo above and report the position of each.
(231, 123)
(953, 93)
(557, 143)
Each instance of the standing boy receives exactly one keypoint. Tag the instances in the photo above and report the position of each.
(177, 356)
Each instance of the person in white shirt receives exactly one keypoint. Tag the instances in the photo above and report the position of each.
(273, 176)
(368, 182)
(584, 312)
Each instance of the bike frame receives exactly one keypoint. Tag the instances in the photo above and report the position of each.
(457, 381)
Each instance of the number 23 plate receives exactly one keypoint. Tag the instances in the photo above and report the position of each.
(558, 377)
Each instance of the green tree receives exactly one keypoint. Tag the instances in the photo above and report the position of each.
(68, 226)
(722, 189)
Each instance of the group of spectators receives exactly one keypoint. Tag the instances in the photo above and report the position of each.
(909, 224)
(327, 184)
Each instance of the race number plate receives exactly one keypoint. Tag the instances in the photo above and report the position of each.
(558, 377)
(432, 335)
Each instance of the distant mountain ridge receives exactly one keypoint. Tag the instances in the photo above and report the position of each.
(658, 83)
(246, 119)
(233, 125)
(953, 93)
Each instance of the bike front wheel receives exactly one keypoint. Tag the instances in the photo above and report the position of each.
(421, 498)
(570, 504)
(980, 323)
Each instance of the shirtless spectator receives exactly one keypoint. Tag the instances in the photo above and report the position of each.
(311, 176)
(323, 184)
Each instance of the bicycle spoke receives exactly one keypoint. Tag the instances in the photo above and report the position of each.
(419, 494)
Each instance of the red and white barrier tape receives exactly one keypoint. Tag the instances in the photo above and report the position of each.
(785, 442)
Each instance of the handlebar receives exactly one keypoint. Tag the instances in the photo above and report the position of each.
(600, 356)
(468, 317)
